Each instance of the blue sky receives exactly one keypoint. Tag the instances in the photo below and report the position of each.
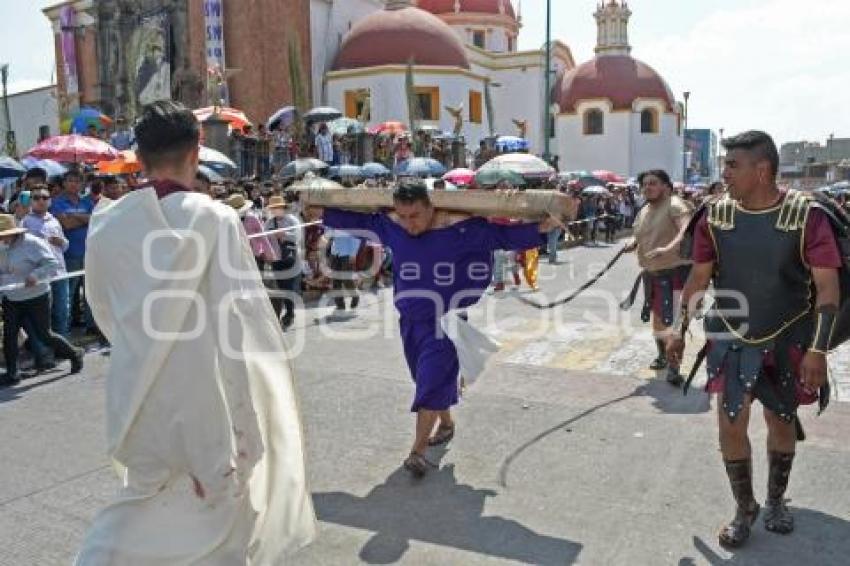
(776, 65)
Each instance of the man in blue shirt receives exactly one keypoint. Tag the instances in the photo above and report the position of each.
(73, 213)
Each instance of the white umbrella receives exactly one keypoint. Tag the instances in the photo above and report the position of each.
(209, 155)
(525, 164)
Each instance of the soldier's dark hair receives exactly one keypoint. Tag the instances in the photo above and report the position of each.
(165, 133)
(410, 191)
(109, 180)
(36, 173)
(760, 144)
(660, 173)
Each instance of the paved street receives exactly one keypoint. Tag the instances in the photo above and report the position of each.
(568, 450)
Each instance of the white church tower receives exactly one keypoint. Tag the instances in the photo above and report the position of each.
(612, 21)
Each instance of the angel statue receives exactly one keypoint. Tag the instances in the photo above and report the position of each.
(522, 126)
(457, 114)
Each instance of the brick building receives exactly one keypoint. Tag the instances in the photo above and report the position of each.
(117, 54)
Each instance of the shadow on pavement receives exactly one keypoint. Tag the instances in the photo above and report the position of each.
(437, 510)
(670, 400)
(12, 393)
(818, 539)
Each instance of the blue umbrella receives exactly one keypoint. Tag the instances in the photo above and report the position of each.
(10, 169)
(53, 168)
(213, 175)
(511, 144)
(87, 116)
(420, 167)
(340, 171)
(283, 117)
(373, 169)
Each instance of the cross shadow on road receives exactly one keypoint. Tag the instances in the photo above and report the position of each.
(437, 510)
(669, 399)
(819, 538)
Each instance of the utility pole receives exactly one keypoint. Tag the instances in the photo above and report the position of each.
(548, 93)
(10, 134)
(685, 141)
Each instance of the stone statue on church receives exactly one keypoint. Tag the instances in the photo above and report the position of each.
(457, 114)
(522, 126)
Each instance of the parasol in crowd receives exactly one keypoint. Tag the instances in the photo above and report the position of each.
(343, 126)
(608, 176)
(391, 128)
(236, 118)
(212, 175)
(282, 118)
(420, 167)
(373, 169)
(492, 177)
(596, 191)
(340, 171)
(460, 176)
(86, 117)
(511, 144)
(10, 169)
(215, 159)
(126, 164)
(302, 166)
(53, 168)
(74, 148)
(527, 165)
(322, 114)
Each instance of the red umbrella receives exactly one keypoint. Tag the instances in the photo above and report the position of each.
(236, 118)
(460, 176)
(391, 128)
(74, 148)
(608, 176)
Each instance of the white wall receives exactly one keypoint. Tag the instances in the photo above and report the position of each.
(495, 38)
(29, 110)
(330, 20)
(622, 148)
(389, 100)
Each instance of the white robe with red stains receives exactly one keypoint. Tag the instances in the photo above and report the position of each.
(202, 419)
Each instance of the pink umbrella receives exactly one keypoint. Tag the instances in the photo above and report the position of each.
(460, 176)
(608, 176)
(74, 148)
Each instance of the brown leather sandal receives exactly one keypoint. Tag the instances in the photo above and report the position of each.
(443, 435)
(417, 465)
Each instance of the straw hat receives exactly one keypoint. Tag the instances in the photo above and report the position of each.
(8, 227)
(237, 201)
(276, 201)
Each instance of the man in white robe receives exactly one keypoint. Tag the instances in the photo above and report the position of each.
(202, 419)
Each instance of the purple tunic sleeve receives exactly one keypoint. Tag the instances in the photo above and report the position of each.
(515, 237)
(371, 226)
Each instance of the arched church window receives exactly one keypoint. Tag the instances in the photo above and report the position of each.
(594, 122)
(649, 121)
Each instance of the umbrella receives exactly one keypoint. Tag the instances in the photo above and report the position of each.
(429, 182)
(212, 175)
(236, 118)
(214, 159)
(312, 182)
(420, 167)
(301, 166)
(343, 126)
(340, 171)
(492, 177)
(841, 186)
(527, 165)
(460, 176)
(53, 168)
(429, 129)
(74, 148)
(391, 128)
(596, 191)
(88, 116)
(126, 164)
(373, 169)
(511, 143)
(322, 114)
(608, 176)
(10, 169)
(283, 117)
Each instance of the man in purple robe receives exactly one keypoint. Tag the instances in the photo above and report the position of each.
(440, 264)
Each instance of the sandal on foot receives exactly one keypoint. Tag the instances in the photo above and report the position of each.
(658, 364)
(417, 465)
(736, 533)
(443, 436)
(777, 518)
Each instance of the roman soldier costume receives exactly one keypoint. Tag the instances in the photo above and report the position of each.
(762, 322)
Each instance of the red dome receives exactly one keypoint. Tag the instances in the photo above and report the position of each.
(619, 78)
(393, 37)
(467, 6)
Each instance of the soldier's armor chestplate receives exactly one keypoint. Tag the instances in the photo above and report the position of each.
(760, 256)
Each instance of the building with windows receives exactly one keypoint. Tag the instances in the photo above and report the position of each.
(615, 111)
(702, 157)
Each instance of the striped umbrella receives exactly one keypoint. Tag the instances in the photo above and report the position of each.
(236, 118)
(527, 165)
